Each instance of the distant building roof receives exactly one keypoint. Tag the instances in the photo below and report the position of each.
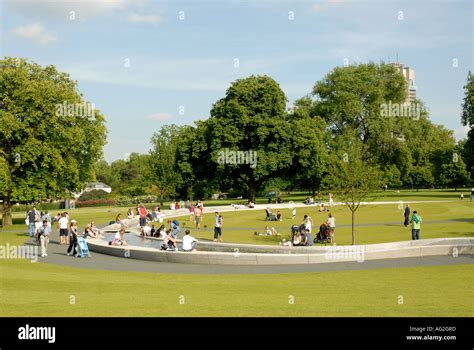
(97, 185)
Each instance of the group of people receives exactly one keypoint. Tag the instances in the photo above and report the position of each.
(40, 229)
(144, 216)
(169, 237)
(311, 201)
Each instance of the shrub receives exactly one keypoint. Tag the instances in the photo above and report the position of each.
(95, 203)
(93, 195)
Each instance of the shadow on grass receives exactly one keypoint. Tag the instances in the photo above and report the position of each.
(15, 221)
(463, 220)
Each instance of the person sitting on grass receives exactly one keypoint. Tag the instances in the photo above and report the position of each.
(278, 216)
(296, 239)
(267, 232)
(189, 242)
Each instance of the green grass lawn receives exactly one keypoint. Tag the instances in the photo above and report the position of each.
(41, 289)
(240, 225)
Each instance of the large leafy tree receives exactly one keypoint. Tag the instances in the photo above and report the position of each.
(162, 177)
(252, 118)
(44, 152)
(350, 98)
(309, 146)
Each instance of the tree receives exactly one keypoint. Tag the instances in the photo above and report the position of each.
(46, 150)
(350, 177)
(250, 118)
(450, 169)
(350, 98)
(162, 175)
(391, 176)
(467, 118)
(421, 176)
(309, 146)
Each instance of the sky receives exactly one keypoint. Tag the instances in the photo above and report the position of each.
(147, 63)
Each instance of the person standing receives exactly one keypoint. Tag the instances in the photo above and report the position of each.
(461, 196)
(197, 217)
(63, 223)
(293, 213)
(143, 213)
(32, 216)
(330, 199)
(331, 222)
(218, 227)
(43, 232)
(191, 212)
(416, 226)
(406, 215)
(72, 249)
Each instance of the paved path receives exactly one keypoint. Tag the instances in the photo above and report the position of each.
(57, 255)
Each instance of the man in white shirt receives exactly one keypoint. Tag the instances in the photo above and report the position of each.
(63, 223)
(218, 227)
(189, 242)
(43, 233)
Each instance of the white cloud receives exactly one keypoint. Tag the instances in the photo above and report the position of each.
(159, 116)
(148, 19)
(35, 32)
(57, 9)
(325, 4)
(461, 132)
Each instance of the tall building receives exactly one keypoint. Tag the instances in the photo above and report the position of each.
(409, 75)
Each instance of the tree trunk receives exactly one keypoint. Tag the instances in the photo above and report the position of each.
(353, 229)
(7, 210)
(161, 201)
(252, 191)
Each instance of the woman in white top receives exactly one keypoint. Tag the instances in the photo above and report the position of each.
(332, 226)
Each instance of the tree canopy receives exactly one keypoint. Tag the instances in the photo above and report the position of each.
(45, 151)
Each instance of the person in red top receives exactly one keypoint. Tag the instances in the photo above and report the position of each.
(143, 213)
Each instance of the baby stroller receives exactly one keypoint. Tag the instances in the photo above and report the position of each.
(323, 235)
(270, 216)
(300, 235)
(82, 248)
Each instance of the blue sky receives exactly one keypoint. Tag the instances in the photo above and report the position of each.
(148, 63)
